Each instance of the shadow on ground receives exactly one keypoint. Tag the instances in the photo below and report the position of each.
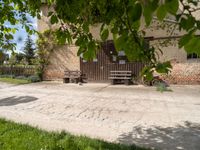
(13, 100)
(185, 137)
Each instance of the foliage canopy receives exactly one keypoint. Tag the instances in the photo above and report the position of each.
(12, 13)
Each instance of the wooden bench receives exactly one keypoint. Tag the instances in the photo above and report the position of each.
(121, 77)
(73, 77)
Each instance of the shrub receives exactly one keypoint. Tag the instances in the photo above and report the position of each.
(34, 78)
(163, 87)
(21, 77)
(7, 76)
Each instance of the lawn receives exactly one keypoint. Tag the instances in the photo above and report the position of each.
(23, 137)
(14, 81)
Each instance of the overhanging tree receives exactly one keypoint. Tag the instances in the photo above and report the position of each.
(122, 19)
(12, 13)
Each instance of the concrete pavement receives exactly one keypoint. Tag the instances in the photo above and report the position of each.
(125, 114)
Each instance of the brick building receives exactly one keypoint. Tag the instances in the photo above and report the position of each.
(186, 67)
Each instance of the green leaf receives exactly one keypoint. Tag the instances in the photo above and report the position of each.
(135, 12)
(148, 15)
(136, 25)
(161, 12)
(172, 6)
(50, 13)
(27, 28)
(153, 4)
(184, 40)
(187, 23)
(149, 8)
(61, 36)
(149, 76)
(91, 51)
(81, 50)
(147, 73)
(79, 41)
(86, 27)
(104, 34)
(120, 42)
(13, 30)
(193, 46)
(163, 67)
(54, 19)
(8, 36)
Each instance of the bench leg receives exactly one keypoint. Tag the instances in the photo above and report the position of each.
(81, 79)
(65, 80)
(76, 80)
(127, 82)
(113, 82)
(71, 80)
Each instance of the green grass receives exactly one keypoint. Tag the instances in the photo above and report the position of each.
(23, 137)
(14, 81)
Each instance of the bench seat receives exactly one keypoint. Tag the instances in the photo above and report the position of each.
(73, 76)
(121, 76)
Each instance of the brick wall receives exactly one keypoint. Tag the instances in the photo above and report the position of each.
(184, 73)
(61, 59)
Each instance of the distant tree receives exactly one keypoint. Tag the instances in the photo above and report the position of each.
(12, 59)
(20, 57)
(3, 57)
(29, 50)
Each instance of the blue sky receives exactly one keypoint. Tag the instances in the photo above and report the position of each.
(22, 35)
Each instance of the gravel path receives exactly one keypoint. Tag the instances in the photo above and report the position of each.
(126, 114)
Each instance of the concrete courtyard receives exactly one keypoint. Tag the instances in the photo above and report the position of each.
(125, 114)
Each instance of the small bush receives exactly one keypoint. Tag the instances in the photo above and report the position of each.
(7, 76)
(163, 87)
(21, 77)
(34, 78)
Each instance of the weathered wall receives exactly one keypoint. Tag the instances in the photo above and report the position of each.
(170, 53)
(61, 59)
(44, 23)
(173, 53)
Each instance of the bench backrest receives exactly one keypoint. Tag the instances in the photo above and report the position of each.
(72, 73)
(121, 74)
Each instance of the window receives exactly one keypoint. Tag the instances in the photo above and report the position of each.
(121, 62)
(192, 56)
(114, 58)
(121, 53)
